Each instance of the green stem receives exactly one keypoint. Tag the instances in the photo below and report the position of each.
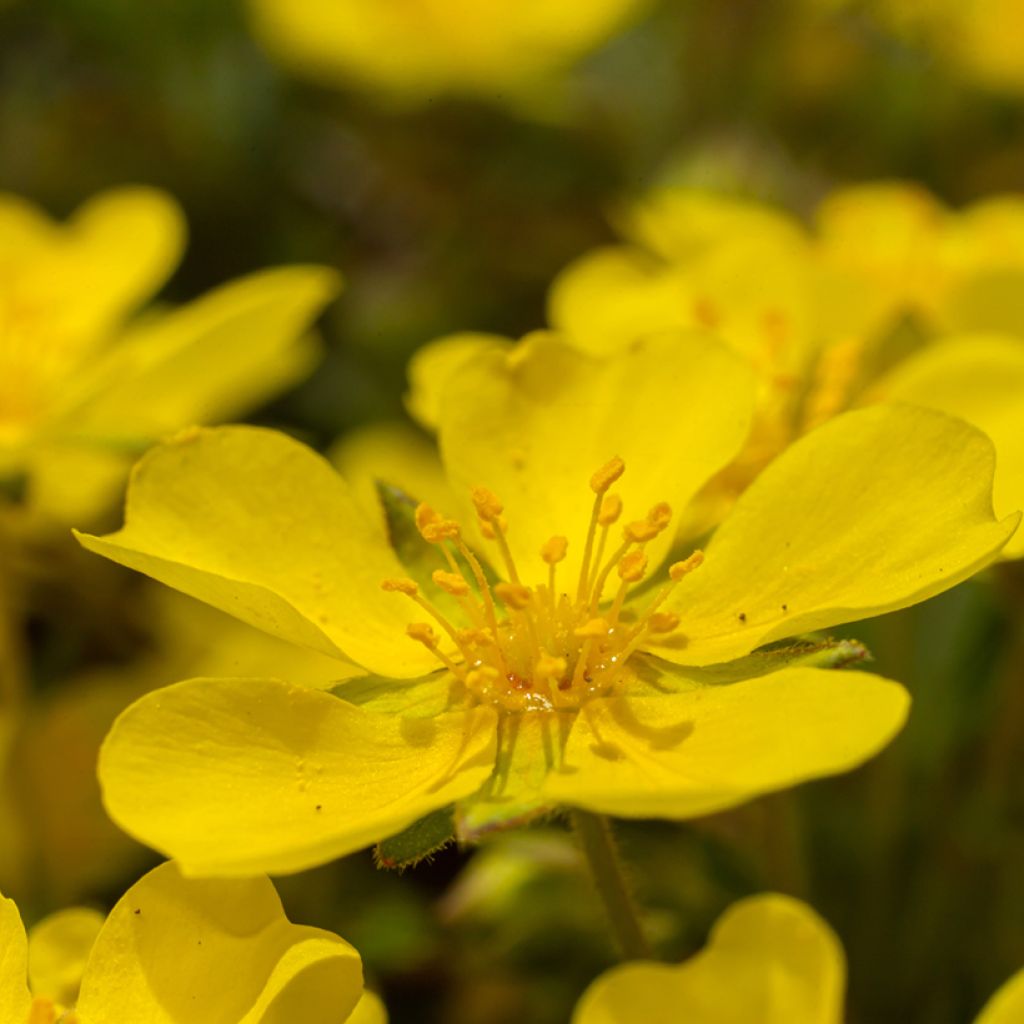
(594, 833)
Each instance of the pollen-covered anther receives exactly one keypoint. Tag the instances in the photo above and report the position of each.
(475, 638)
(553, 550)
(400, 585)
(632, 567)
(611, 509)
(607, 475)
(441, 530)
(486, 503)
(663, 622)
(679, 570)
(422, 632)
(450, 583)
(515, 595)
(425, 516)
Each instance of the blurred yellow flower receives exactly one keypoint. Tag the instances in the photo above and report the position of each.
(81, 392)
(984, 39)
(179, 951)
(819, 315)
(413, 50)
(770, 959)
(558, 670)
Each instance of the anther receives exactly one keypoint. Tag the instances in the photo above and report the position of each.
(437, 532)
(554, 550)
(425, 517)
(422, 632)
(515, 595)
(632, 567)
(550, 667)
(678, 570)
(611, 509)
(401, 585)
(662, 622)
(450, 583)
(486, 503)
(607, 475)
(593, 628)
(660, 515)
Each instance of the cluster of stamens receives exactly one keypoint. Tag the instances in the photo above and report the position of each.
(541, 647)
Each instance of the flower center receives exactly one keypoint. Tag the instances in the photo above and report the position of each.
(541, 647)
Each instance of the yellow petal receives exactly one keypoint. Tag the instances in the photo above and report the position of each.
(183, 951)
(535, 425)
(1007, 1005)
(607, 299)
(236, 776)
(680, 223)
(396, 454)
(432, 365)
(58, 947)
(210, 360)
(770, 959)
(14, 994)
(369, 1010)
(86, 275)
(876, 510)
(979, 378)
(258, 525)
(706, 748)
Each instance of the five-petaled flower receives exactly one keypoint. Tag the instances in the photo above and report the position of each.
(551, 661)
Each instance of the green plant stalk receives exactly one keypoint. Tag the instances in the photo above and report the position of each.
(594, 834)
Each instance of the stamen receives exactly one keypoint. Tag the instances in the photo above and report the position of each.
(599, 484)
(489, 509)
(631, 570)
(677, 572)
(408, 587)
(553, 551)
(424, 634)
(515, 595)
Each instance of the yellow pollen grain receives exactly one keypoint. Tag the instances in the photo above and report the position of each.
(611, 509)
(554, 550)
(400, 585)
(450, 583)
(486, 503)
(515, 595)
(678, 570)
(596, 627)
(607, 475)
(632, 567)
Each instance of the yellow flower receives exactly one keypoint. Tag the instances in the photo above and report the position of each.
(816, 314)
(412, 50)
(81, 393)
(770, 959)
(569, 667)
(179, 951)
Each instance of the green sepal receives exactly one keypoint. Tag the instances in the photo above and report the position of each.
(418, 842)
(414, 698)
(798, 652)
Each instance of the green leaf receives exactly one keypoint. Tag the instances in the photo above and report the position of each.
(418, 842)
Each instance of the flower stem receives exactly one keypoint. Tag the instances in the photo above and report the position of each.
(594, 834)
